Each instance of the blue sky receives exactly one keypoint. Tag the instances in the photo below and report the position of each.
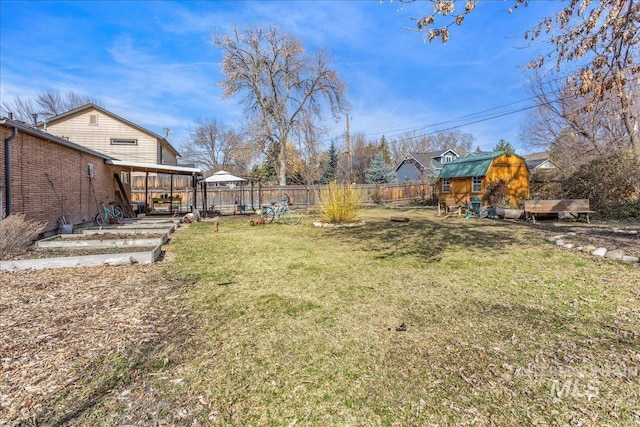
(153, 63)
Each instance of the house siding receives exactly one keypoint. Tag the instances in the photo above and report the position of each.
(514, 171)
(409, 170)
(49, 180)
(79, 129)
(98, 137)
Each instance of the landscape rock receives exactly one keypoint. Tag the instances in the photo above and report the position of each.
(615, 254)
(630, 259)
(560, 242)
(588, 249)
(601, 252)
(569, 245)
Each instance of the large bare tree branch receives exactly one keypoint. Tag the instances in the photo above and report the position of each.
(599, 39)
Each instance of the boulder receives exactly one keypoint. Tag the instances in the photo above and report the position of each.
(601, 252)
(630, 259)
(588, 249)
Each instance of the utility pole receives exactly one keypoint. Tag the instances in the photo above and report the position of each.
(349, 159)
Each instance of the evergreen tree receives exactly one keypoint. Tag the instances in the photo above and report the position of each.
(264, 172)
(504, 146)
(384, 149)
(380, 172)
(330, 169)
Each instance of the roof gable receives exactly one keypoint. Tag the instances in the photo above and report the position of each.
(90, 106)
(541, 164)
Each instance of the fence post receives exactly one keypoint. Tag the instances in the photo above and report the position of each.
(251, 195)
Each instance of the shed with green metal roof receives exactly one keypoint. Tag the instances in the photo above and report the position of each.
(478, 174)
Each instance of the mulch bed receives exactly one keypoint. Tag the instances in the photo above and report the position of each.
(56, 325)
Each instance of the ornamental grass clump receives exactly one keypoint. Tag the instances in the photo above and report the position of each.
(340, 203)
(17, 233)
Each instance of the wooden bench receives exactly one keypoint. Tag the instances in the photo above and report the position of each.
(574, 207)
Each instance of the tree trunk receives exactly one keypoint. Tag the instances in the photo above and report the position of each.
(632, 130)
(282, 161)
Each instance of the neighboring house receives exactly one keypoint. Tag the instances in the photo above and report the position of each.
(46, 177)
(470, 176)
(101, 130)
(539, 161)
(422, 166)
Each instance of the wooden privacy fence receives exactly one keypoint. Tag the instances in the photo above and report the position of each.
(251, 196)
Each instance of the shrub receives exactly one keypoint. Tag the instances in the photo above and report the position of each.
(609, 183)
(340, 203)
(620, 210)
(495, 194)
(17, 233)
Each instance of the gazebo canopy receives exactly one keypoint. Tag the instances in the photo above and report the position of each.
(222, 177)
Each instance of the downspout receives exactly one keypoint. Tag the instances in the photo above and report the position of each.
(7, 169)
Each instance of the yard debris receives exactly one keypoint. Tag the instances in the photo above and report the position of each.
(121, 261)
(399, 219)
(401, 328)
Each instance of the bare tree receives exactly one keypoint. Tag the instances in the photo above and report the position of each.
(279, 84)
(576, 134)
(307, 136)
(416, 142)
(600, 39)
(44, 105)
(214, 146)
(21, 108)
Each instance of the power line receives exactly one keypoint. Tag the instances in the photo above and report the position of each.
(471, 115)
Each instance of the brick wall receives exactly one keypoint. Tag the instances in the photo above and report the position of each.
(49, 180)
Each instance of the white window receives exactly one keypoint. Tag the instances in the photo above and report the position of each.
(476, 185)
(117, 141)
(124, 177)
(446, 185)
(93, 120)
(448, 158)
